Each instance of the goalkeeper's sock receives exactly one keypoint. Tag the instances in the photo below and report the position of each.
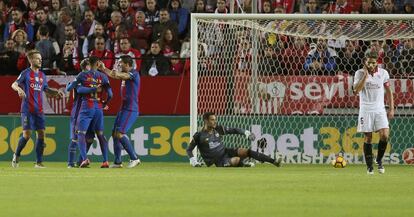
(117, 151)
(40, 146)
(103, 143)
(20, 146)
(259, 156)
(71, 153)
(128, 147)
(382, 145)
(368, 154)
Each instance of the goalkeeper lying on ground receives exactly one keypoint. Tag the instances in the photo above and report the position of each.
(212, 150)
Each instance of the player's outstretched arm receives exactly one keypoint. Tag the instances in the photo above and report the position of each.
(390, 99)
(229, 130)
(15, 86)
(190, 148)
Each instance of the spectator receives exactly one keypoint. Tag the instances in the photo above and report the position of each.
(69, 63)
(48, 48)
(127, 12)
(116, 20)
(20, 38)
(64, 20)
(141, 32)
(287, 5)
(9, 59)
(340, 7)
(30, 15)
(367, 7)
(321, 59)
(408, 6)
(18, 23)
(199, 6)
(154, 62)
(294, 55)
(350, 59)
(41, 19)
(180, 16)
(103, 12)
(127, 50)
(2, 27)
(312, 7)
(121, 31)
(75, 11)
(152, 14)
(103, 54)
(267, 7)
(164, 23)
(70, 34)
(169, 43)
(388, 7)
(4, 12)
(138, 5)
(89, 42)
(177, 66)
(185, 51)
(87, 25)
(405, 58)
(54, 11)
(221, 7)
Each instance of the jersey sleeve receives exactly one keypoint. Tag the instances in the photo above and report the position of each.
(222, 130)
(193, 144)
(22, 78)
(386, 78)
(358, 76)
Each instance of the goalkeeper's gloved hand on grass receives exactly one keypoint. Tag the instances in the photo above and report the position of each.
(194, 162)
(249, 135)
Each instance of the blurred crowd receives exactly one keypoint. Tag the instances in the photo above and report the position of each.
(156, 33)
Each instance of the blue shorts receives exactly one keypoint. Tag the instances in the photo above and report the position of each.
(73, 133)
(90, 117)
(124, 120)
(32, 121)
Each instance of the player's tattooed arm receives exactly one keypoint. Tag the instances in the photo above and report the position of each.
(113, 73)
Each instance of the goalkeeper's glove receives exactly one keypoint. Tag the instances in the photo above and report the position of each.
(249, 135)
(194, 162)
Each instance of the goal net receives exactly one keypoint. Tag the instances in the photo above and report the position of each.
(288, 78)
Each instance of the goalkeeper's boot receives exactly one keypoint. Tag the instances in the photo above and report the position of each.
(15, 161)
(381, 169)
(133, 163)
(105, 164)
(370, 171)
(278, 162)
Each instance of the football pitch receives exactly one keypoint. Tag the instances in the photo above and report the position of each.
(176, 189)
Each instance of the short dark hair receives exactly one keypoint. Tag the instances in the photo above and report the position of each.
(93, 60)
(207, 115)
(43, 30)
(371, 54)
(127, 60)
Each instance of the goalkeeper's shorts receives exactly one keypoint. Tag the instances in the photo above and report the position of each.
(225, 160)
(372, 121)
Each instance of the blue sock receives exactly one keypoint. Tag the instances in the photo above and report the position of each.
(71, 153)
(103, 143)
(20, 146)
(117, 151)
(88, 146)
(128, 147)
(82, 146)
(40, 146)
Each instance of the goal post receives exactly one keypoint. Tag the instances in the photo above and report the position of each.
(288, 78)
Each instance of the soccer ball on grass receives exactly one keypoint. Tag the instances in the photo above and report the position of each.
(339, 162)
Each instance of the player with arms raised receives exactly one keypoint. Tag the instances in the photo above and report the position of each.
(371, 82)
(29, 85)
(212, 150)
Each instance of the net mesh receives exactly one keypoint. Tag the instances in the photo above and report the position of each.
(290, 81)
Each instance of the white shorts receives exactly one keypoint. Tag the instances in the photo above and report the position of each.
(372, 121)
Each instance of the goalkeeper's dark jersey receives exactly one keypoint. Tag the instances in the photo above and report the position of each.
(210, 145)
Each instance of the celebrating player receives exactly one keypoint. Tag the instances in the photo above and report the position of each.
(91, 112)
(129, 109)
(29, 85)
(370, 83)
(212, 150)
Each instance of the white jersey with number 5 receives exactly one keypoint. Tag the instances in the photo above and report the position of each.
(371, 97)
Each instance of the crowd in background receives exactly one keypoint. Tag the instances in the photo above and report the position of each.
(156, 33)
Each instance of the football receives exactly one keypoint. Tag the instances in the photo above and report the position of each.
(339, 162)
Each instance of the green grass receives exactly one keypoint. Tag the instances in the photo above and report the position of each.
(167, 189)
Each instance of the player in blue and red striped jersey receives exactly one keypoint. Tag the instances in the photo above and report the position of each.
(129, 109)
(30, 86)
(91, 110)
(85, 66)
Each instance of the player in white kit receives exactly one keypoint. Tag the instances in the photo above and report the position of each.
(372, 83)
